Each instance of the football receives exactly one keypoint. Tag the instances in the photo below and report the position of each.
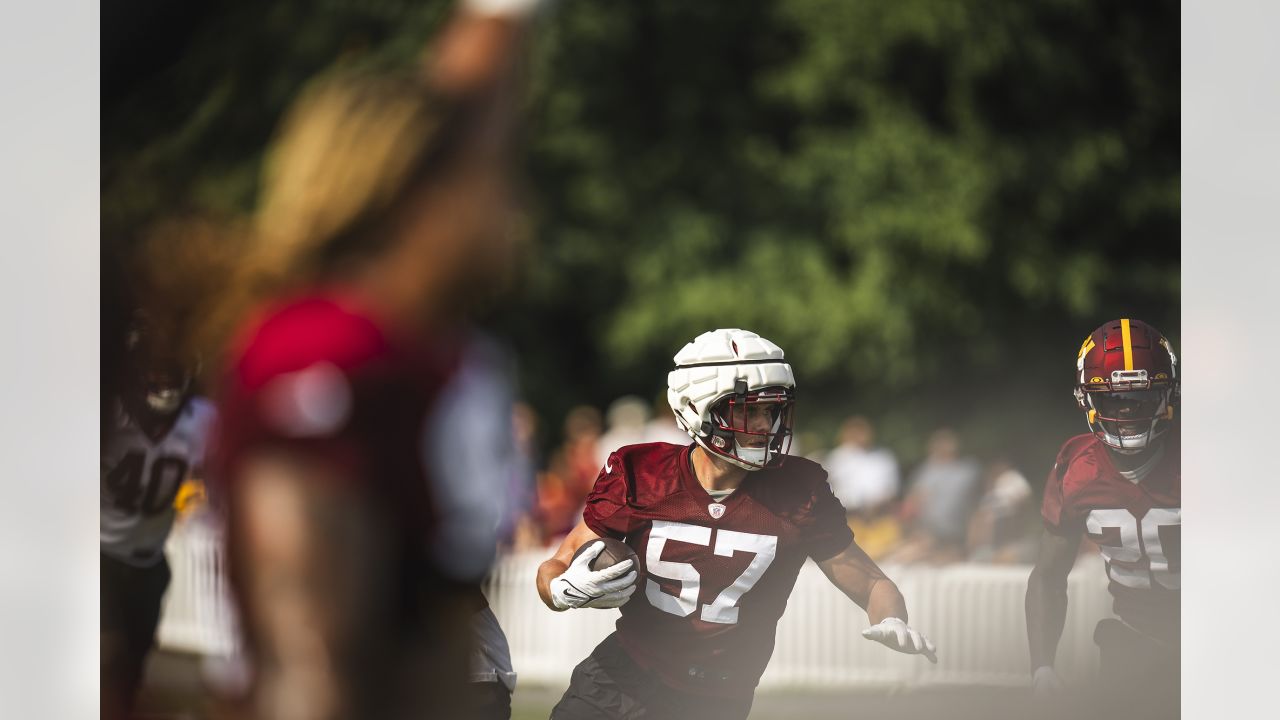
(614, 552)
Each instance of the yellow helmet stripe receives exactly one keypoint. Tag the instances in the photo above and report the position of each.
(1086, 347)
(1128, 343)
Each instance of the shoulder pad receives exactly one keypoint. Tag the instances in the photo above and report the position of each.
(1076, 463)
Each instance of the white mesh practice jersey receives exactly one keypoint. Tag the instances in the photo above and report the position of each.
(141, 476)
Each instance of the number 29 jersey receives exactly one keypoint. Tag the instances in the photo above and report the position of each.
(1137, 526)
(141, 476)
(715, 575)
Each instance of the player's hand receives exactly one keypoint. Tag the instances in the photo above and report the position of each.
(897, 635)
(580, 586)
(1045, 682)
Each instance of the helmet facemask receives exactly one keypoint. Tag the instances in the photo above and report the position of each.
(752, 430)
(159, 381)
(165, 391)
(1128, 421)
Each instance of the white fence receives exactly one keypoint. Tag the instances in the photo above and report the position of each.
(198, 615)
(973, 612)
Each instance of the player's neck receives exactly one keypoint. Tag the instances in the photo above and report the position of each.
(713, 473)
(1128, 463)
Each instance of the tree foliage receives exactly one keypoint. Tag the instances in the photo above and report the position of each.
(927, 203)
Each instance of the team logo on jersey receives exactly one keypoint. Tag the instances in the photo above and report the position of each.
(716, 510)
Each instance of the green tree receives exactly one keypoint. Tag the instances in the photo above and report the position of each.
(927, 203)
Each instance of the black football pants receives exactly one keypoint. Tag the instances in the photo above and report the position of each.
(1139, 677)
(130, 607)
(609, 685)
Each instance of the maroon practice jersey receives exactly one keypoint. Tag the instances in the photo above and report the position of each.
(322, 375)
(1137, 526)
(409, 419)
(715, 575)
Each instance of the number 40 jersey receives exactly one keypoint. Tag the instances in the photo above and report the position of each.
(141, 476)
(1136, 522)
(715, 575)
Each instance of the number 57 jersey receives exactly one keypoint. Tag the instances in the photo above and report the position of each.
(1136, 523)
(715, 575)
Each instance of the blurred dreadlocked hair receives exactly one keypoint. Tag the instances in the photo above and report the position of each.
(350, 150)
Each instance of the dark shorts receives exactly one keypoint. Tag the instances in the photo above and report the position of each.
(130, 607)
(609, 685)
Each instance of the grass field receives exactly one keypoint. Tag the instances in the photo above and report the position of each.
(173, 692)
(950, 703)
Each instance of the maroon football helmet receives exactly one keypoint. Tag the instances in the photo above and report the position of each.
(1127, 384)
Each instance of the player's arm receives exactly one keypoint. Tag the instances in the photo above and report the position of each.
(1046, 601)
(565, 582)
(858, 577)
(300, 544)
(478, 60)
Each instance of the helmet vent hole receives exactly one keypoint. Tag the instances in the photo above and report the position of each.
(734, 345)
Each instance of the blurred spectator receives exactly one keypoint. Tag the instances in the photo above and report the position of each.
(523, 531)
(571, 472)
(581, 450)
(863, 477)
(865, 480)
(1004, 525)
(663, 428)
(558, 508)
(626, 420)
(943, 492)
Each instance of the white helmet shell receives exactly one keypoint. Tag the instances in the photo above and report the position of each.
(710, 368)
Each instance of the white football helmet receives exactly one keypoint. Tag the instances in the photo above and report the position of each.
(734, 395)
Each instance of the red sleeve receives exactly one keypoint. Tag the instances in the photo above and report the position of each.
(1060, 515)
(607, 512)
(829, 533)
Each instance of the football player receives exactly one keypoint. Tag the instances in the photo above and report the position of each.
(1119, 485)
(156, 440)
(721, 528)
(358, 444)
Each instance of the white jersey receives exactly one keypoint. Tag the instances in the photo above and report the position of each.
(141, 476)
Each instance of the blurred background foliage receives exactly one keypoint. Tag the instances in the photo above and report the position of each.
(927, 203)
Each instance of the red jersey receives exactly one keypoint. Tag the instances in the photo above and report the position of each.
(715, 575)
(412, 422)
(322, 375)
(1136, 524)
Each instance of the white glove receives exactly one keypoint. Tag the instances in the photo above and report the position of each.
(1045, 682)
(580, 586)
(897, 635)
